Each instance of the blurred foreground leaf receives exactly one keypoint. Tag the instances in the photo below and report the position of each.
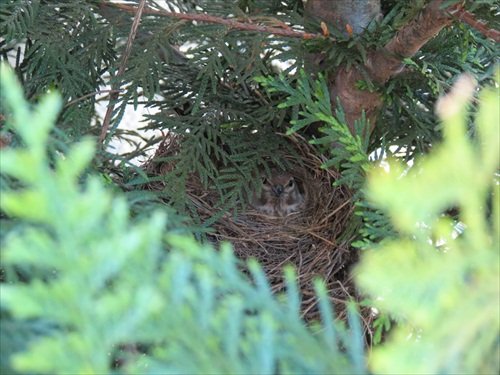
(122, 295)
(443, 283)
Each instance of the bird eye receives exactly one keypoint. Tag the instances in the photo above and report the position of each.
(290, 183)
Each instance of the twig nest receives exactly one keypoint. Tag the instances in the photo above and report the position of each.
(310, 239)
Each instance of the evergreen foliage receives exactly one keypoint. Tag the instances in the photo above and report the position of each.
(58, 45)
(102, 280)
(207, 93)
(441, 283)
(224, 94)
(348, 152)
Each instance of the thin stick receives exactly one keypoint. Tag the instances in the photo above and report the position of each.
(287, 32)
(91, 94)
(121, 69)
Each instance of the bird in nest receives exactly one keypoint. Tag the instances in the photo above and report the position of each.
(280, 195)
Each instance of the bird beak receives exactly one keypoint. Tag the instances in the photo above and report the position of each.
(278, 190)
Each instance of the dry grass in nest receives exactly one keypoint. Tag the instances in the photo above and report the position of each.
(308, 240)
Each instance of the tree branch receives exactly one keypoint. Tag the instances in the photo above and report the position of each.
(410, 38)
(388, 62)
(480, 26)
(381, 65)
(91, 94)
(283, 31)
(121, 69)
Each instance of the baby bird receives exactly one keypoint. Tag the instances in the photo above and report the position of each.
(280, 195)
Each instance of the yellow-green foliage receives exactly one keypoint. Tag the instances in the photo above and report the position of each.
(95, 279)
(98, 278)
(444, 286)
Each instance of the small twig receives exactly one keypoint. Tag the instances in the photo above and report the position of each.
(335, 211)
(285, 31)
(480, 26)
(91, 94)
(121, 69)
(322, 238)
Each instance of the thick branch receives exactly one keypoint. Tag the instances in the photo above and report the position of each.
(409, 39)
(388, 62)
(381, 65)
(480, 26)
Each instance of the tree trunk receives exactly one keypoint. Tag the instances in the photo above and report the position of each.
(382, 64)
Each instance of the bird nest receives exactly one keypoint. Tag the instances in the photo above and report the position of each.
(309, 240)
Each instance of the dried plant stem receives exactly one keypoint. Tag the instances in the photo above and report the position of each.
(91, 94)
(280, 31)
(121, 69)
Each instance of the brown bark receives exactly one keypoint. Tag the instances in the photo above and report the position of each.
(282, 30)
(387, 62)
(381, 65)
(480, 26)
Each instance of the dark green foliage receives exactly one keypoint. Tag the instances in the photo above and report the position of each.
(103, 281)
(313, 100)
(63, 52)
(200, 81)
(487, 11)
(348, 153)
(58, 45)
(16, 335)
(207, 94)
(407, 119)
